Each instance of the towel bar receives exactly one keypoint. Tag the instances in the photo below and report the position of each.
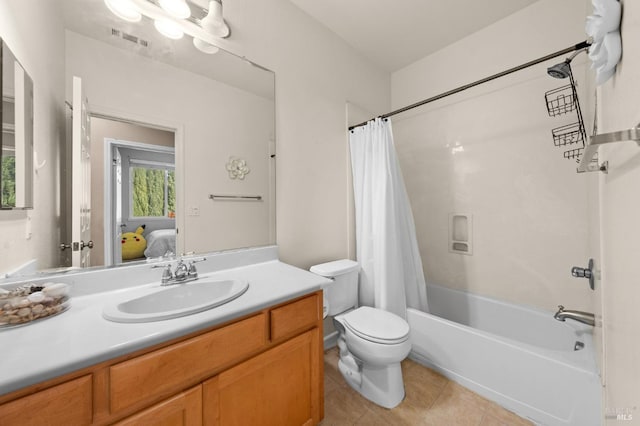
(236, 197)
(588, 164)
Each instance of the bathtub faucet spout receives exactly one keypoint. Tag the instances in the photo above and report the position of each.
(580, 316)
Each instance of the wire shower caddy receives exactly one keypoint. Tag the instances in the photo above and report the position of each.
(560, 101)
(564, 100)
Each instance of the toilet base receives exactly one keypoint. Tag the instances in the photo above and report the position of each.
(382, 385)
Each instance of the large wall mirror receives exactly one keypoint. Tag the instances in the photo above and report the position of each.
(16, 157)
(180, 145)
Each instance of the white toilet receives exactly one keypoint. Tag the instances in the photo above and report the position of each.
(372, 342)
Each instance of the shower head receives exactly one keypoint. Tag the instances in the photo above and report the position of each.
(561, 70)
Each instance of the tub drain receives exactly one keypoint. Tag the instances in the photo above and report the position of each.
(578, 345)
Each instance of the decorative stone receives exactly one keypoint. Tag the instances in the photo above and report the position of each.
(54, 290)
(19, 303)
(36, 297)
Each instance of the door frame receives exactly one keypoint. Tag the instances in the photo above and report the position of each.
(155, 123)
(110, 145)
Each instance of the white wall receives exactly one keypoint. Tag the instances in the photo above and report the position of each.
(316, 74)
(38, 51)
(619, 109)
(489, 152)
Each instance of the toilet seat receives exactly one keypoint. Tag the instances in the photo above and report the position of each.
(376, 325)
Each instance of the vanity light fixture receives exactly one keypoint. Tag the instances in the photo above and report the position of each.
(172, 18)
(205, 47)
(168, 28)
(179, 9)
(214, 22)
(124, 9)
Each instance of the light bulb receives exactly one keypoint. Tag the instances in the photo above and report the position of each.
(168, 28)
(205, 47)
(214, 22)
(176, 8)
(124, 9)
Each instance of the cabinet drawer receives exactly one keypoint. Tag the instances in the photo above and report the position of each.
(294, 317)
(69, 403)
(184, 409)
(171, 369)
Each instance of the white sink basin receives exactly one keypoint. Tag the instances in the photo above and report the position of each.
(176, 301)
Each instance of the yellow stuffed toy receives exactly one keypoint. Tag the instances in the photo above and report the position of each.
(133, 244)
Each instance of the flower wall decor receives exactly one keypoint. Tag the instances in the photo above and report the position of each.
(237, 168)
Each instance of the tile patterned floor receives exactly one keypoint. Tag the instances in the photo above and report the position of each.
(431, 400)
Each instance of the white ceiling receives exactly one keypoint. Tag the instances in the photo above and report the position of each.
(391, 34)
(395, 33)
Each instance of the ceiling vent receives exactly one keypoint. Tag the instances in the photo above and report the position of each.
(129, 37)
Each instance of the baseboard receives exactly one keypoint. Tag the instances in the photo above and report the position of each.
(330, 340)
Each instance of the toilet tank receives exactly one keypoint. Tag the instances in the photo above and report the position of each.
(342, 293)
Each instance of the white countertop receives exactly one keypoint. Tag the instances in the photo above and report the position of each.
(81, 337)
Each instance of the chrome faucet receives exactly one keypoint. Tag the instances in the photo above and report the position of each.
(192, 273)
(182, 274)
(580, 316)
(588, 273)
(167, 275)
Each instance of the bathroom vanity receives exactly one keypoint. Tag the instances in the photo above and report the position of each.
(255, 360)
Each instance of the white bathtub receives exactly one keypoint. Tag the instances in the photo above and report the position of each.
(519, 357)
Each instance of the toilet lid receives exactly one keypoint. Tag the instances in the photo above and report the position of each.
(377, 325)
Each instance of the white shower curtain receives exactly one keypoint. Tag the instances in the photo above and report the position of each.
(386, 244)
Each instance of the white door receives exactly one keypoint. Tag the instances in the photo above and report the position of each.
(81, 179)
(116, 202)
(65, 190)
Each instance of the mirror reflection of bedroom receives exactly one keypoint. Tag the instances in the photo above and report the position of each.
(133, 192)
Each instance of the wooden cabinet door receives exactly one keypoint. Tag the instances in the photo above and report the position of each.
(279, 387)
(66, 404)
(184, 409)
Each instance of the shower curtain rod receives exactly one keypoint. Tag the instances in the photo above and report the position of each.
(579, 46)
